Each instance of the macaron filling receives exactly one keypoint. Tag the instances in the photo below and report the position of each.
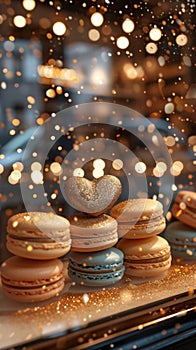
(82, 267)
(35, 283)
(35, 244)
(96, 276)
(148, 261)
(143, 221)
(94, 241)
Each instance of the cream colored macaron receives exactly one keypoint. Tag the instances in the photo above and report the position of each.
(139, 218)
(90, 234)
(38, 235)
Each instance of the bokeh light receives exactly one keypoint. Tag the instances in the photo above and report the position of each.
(29, 5)
(94, 34)
(78, 172)
(36, 166)
(59, 28)
(122, 42)
(99, 164)
(56, 168)
(155, 34)
(37, 177)
(169, 108)
(140, 167)
(19, 21)
(128, 25)
(176, 168)
(18, 166)
(97, 19)
(1, 169)
(97, 173)
(181, 40)
(151, 48)
(117, 164)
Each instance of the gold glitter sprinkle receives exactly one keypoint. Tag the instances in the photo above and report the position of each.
(162, 311)
(29, 336)
(12, 335)
(140, 327)
(80, 340)
(189, 252)
(85, 298)
(182, 206)
(36, 218)
(191, 291)
(169, 216)
(15, 224)
(164, 332)
(179, 212)
(177, 325)
(29, 248)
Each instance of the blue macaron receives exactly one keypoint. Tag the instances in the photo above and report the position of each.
(182, 239)
(97, 269)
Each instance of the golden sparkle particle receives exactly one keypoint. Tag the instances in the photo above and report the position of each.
(29, 248)
(15, 224)
(179, 212)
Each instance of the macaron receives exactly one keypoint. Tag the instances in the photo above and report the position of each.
(146, 259)
(92, 197)
(89, 234)
(38, 235)
(139, 218)
(182, 239)
(184, 208)
(26, 280)
(98, 269)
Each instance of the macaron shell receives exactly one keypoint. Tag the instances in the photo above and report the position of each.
(93, 233)
(145, 230)
(26, 280)
(34, 295)
(38, 251)
(93, 244)
(82, 223)
(103, 258)
(181, 231)
(38, 224)
(17, 268)
(148, 248)
(38, 235)
(96, 279)
(182, 239)
(147, 269)
(186, 215)
(133, 210)
(187, 197)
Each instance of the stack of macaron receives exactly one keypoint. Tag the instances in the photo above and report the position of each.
(94, 261)
(37, 240)
(181, 233)
(147, 256)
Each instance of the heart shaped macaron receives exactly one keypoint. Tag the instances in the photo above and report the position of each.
(92, 197)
